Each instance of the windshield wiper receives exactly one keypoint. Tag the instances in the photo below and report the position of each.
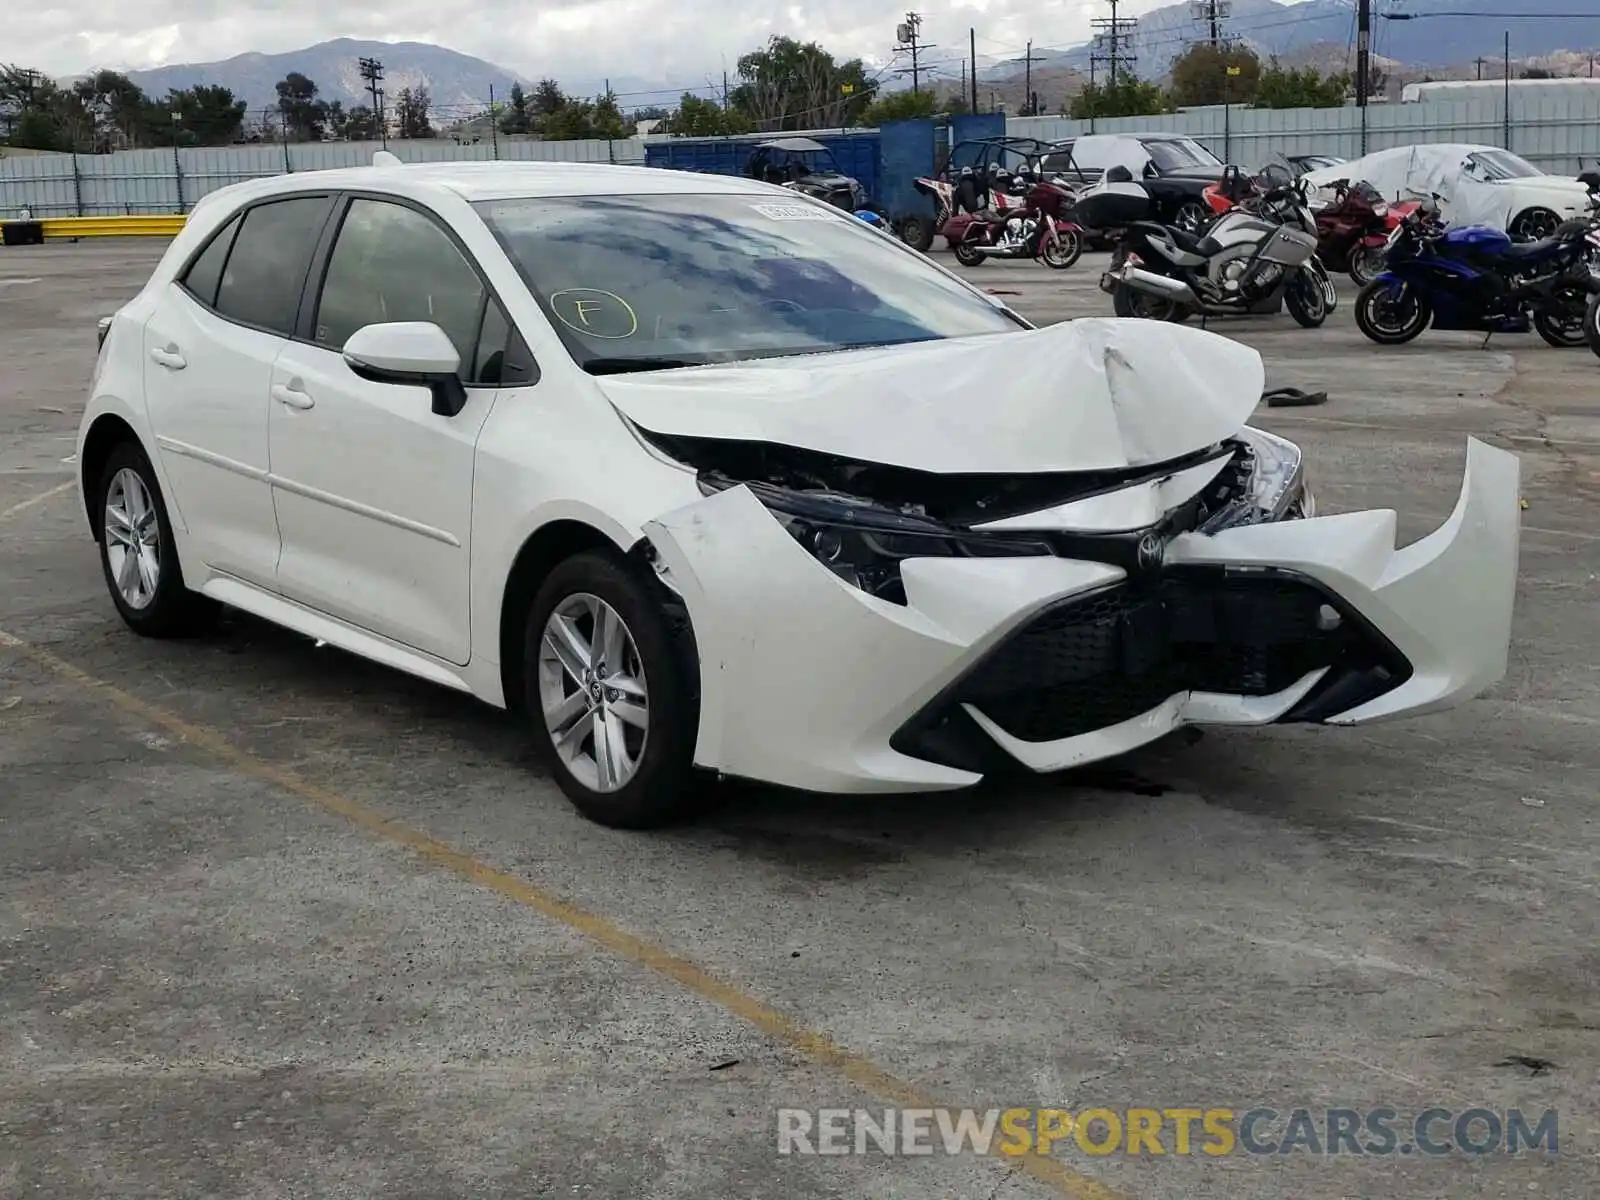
(624, 366)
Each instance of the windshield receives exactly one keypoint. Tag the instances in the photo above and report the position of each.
(1176, 154)
(648, 282)
(1502, 164)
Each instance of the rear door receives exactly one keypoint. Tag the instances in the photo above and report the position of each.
(210, 346)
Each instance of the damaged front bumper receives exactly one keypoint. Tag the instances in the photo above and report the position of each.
(1050, 662)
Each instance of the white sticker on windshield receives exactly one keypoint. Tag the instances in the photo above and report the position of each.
(793, 212)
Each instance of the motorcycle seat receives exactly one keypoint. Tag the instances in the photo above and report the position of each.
(1530, 249)
(1184, 241)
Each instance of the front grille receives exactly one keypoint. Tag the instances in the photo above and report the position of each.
(1122, 651)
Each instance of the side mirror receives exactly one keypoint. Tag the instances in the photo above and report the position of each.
(412, 354)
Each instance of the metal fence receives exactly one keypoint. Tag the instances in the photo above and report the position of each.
(1561, 134)
(169, 181)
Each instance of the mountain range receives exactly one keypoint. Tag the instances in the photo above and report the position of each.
(1420, 34)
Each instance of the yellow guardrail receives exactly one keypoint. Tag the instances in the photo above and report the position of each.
(165, 225)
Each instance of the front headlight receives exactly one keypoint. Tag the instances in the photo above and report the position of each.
(864, 544)
(1274, 485)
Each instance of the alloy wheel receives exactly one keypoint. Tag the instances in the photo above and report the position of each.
(132, 539)
(593, 692)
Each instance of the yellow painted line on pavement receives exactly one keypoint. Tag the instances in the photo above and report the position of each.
(815, 1045)
(15, 509)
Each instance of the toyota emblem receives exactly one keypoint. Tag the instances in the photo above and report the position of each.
(1151, 552)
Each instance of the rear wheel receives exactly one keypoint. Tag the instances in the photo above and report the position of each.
(1366, 263)
(1562, 322)
(1391, 313)
(917, 232)
(1063, 250)
(1190, 216)
(1130, 302)
(138, 555)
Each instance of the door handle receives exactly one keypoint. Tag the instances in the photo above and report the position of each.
(169, 358)
(293, 397)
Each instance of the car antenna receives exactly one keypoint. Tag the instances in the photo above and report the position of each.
(384, 159)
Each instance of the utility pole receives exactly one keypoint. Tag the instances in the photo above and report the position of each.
(1115, 34)
(372, 72)
(1030, 101)
(1507, 104)
(1211, 13)
(1478, 62)
(1363, 63)
(494, 126)
(972, 53)
(909, 34)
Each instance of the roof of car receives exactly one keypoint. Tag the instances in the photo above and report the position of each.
(508, 180)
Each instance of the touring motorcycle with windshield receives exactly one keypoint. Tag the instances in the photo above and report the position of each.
(1477, 279)
(1252, 259)
(1035, 228)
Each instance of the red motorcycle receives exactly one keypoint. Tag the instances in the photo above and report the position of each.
(1033, 225)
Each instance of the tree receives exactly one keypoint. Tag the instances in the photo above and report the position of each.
(206, 115)
(1537, 73)
(1200, 75)
(548, 98)
(1302, 88)
(900, 106)
(118, 110)
(411, 109)
(793, 85)
(573, 121)
(1130, 96)
(699, 117)
(304, 116)
(360, 125)
(608, 120)
(517, 118)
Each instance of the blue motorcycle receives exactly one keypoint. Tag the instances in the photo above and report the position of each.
(1478, 279)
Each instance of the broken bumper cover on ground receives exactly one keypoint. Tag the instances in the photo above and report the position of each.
(1048, 662)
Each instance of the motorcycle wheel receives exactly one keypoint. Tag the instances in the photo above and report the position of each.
(1062, 252)
(1129, 302)
(968, 255)
(1387, 321)
(1563, 323)
(1367, 263)
(1305, 301)
(1591, 323)
(917, 232)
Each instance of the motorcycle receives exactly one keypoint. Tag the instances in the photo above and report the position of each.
(1036, 229)
(1253, 257)
(1476, 278)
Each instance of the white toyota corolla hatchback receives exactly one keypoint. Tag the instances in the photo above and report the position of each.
(701, 475)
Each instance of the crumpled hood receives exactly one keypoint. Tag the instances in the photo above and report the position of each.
(1095, 394)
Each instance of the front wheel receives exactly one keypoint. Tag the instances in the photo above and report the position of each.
(1130, 302)
(1390, 313)
(1591, 323)
(1305, 300)
(1062, 250)
(968, 255)
(612, 692)
(1366, 263)
(917, 232)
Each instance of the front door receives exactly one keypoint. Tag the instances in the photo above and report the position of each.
(373, 490)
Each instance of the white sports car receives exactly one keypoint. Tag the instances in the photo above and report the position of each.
(697, 473)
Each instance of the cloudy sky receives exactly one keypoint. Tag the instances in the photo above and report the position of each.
(654, 39)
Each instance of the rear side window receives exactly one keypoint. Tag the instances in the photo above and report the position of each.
(205, 271)
(267, 267)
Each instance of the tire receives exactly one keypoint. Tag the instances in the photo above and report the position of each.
(917, 232)
(968, 255)
(656, 713)
(1564, 324)
(138, 555)
(1190, 216)
(1591, 323)
(1304, 299)
(1366, 263)
(1065, 251)
(1380, 328)
(1128, 302)
(1531, 224)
